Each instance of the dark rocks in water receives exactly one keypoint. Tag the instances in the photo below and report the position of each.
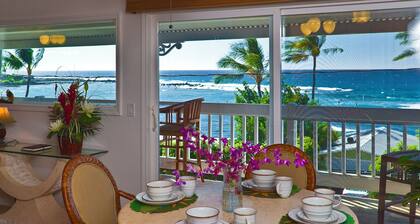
(181, 84)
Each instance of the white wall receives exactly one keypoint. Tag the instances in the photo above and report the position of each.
(120, 134)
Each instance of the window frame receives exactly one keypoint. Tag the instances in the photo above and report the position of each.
(111, 110)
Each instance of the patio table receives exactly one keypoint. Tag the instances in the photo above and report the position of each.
(269, 211)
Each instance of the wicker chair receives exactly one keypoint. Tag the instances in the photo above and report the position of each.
(178, 116)
(90, 193)
(303, 177)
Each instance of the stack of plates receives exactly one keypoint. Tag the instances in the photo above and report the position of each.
(174, 198)
(297, 215)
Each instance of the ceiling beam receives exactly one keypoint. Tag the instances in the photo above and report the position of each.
(164, 5)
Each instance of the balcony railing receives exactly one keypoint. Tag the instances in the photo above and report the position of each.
(345, 142)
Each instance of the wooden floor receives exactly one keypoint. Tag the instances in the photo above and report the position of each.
(366, 209)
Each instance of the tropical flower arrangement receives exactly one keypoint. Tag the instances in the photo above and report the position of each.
(73, 117)
(231, 160)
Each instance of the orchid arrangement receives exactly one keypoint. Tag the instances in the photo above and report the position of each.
(72, 116)
(233, 161)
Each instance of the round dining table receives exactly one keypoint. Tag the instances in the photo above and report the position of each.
(269, 210)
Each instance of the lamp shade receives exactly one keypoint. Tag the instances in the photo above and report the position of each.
(314, 24)
(5, 116)
(304, 28)
(329, 26)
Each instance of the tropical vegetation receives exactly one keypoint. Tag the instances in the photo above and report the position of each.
(305, 47)
(247, 58)
(404, 39)
(27, 59)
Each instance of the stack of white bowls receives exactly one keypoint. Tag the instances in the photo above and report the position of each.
(317, 209)
(263, 178)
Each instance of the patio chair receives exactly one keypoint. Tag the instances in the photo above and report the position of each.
(90, 193)
(178, 116)
(303, 177)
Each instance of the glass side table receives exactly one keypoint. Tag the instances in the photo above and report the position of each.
(391, 170)
(35, 202)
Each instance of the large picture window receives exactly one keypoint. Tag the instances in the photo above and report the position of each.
(37, 61)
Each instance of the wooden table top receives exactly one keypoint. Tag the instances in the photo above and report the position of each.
(269, 211)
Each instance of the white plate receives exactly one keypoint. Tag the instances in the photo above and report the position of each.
(251, 185)
(293, 215)
(332, 219)
(179, 196)
(146, 197)
(185, 222)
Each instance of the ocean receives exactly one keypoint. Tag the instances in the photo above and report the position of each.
(349, 88)
(352, 88)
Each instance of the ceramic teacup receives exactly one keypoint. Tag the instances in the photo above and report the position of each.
(317, 208)
(159, 190)
(284, 186)
(263, 178)
(245, 216)
(202, 215)
(189, 187)
(328, 193)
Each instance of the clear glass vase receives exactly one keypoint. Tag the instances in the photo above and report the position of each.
(232, 193)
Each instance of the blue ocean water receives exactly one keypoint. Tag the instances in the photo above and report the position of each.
(354, 88)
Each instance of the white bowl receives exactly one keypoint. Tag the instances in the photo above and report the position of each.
(202, 215)
(325, 193)
(159, 190)
(245, 216)
(263, 178)
(317, 208)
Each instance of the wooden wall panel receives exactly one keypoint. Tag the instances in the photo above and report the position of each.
(163, 5)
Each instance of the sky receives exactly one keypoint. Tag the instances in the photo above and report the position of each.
(361, 51)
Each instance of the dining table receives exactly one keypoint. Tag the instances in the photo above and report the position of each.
(269, 210)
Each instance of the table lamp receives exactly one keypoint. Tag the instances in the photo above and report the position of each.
(5, 118)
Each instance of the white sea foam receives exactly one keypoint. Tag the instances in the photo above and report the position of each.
(205, 85)
(410, 105)
(75, 78)
(325, 89)
(233, 86)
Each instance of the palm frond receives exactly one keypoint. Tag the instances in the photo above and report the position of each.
(227, 77)
(405, 54)
(38, 57)
(403, 38)
(12, 62)
(26, 55)
(229, 62)
(295, 57)
(333, 50)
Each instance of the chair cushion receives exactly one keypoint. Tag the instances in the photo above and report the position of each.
(94, 195)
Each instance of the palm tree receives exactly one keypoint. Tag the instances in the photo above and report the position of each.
(24, 58)
(246, 57)
(404, 39)
(305, 47)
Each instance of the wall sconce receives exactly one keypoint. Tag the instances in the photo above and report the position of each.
(361, 17)
(305, 29)
(52, 39)
(44, 39)
(329, 26)
(57, 39)
(314, 24)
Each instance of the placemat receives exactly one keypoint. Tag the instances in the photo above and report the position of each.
(286, 220)
(143, 208)
(250, 192)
